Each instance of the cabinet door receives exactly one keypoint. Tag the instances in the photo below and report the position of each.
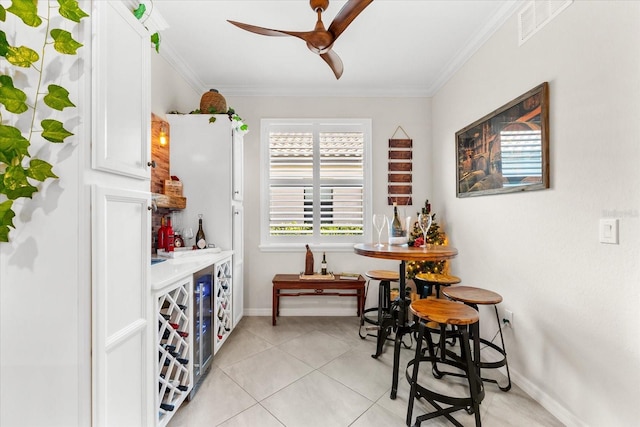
(238, 263)
(121, 308)
(121, 84)
(238, 167)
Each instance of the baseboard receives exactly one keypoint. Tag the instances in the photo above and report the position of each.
(550, 404)
(319, 312)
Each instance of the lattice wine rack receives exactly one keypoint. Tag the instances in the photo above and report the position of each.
(174, 380)
(222, 288)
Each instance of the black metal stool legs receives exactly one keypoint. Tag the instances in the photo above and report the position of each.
(501, 362)
(466, 362)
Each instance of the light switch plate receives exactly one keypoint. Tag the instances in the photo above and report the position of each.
(609, 230)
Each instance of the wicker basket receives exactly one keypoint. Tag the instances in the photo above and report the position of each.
(213, 103)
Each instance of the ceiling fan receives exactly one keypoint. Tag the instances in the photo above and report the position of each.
(320, 40)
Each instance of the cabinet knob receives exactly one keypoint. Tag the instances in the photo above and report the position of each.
(152, 163)
(236, 192)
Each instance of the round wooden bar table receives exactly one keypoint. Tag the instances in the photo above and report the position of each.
(403, 254)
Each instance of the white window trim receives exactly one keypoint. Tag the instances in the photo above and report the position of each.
(266, 243)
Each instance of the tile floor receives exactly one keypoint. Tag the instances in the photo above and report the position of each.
(316, 371)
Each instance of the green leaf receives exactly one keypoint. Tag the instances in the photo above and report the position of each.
(155, 39)
(58, 98)
(16, 184)
(70, 10)
(3, 13)
(21, 56)
(27, 10)
(12, 144)
(212, 119)
(52, 130)
(12, 98)
(6, 219)
(139, 11)
(40, 170)
(64, 42)
(4, 44)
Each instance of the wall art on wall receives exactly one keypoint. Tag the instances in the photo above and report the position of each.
(400, 170)
(506, 151)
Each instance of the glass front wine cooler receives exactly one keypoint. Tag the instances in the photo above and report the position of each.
(202, 325)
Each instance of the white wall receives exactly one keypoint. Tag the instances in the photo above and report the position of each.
(386, 114)
(169, 91)
(45, 288)
(575, 344)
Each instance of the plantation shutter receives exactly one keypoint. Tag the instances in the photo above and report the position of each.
(316, 182)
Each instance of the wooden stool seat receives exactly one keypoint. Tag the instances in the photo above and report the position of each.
(444, 312)
(471, 295)
(425, 281)
(441, 279)
(392, 276)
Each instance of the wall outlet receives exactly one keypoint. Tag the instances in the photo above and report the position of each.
(507, 318)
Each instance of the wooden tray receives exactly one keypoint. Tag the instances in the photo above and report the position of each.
(317, 276)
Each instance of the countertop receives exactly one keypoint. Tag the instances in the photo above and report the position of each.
(167, 272)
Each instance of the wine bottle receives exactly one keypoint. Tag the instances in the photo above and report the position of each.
(201, 242)
(323, 265)
(162, 235)
(167, 407)
(397, 234)
(170, 236)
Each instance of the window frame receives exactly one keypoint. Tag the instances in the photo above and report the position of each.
(294, 243)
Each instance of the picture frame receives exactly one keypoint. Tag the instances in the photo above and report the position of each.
(507, 150)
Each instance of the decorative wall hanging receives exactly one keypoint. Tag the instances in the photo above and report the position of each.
(400, 169)
(507, 150)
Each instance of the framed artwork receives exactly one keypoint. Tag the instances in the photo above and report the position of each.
(506, 151)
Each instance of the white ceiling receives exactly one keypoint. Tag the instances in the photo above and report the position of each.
(393, 48)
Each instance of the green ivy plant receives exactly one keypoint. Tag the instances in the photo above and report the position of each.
(138, 12)
(18, 169)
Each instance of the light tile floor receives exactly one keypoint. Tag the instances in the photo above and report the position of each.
(317, 372)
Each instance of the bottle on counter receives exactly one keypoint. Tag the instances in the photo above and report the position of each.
(162, 235)
(323, 265)
(397, 233)
(170, 236)
(201, 242)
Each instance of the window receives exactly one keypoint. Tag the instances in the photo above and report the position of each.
(315, 182)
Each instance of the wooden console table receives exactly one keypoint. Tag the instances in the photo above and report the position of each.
(314, 287)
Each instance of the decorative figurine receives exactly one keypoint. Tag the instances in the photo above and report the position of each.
(308, 263)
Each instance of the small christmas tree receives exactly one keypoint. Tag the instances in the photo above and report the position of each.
(435, 236)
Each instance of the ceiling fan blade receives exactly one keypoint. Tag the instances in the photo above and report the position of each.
(269, 32)
(334, 61)
(347, 14)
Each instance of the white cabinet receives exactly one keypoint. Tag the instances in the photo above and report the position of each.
(207, 157)
(121, 104)
(223, 302)
(174, 308)
(238, 167)
(238, 263)
(122, 353)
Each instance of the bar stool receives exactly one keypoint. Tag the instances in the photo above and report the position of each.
(384, 319)
(426, 281)
(465, 318)
(478, 296)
